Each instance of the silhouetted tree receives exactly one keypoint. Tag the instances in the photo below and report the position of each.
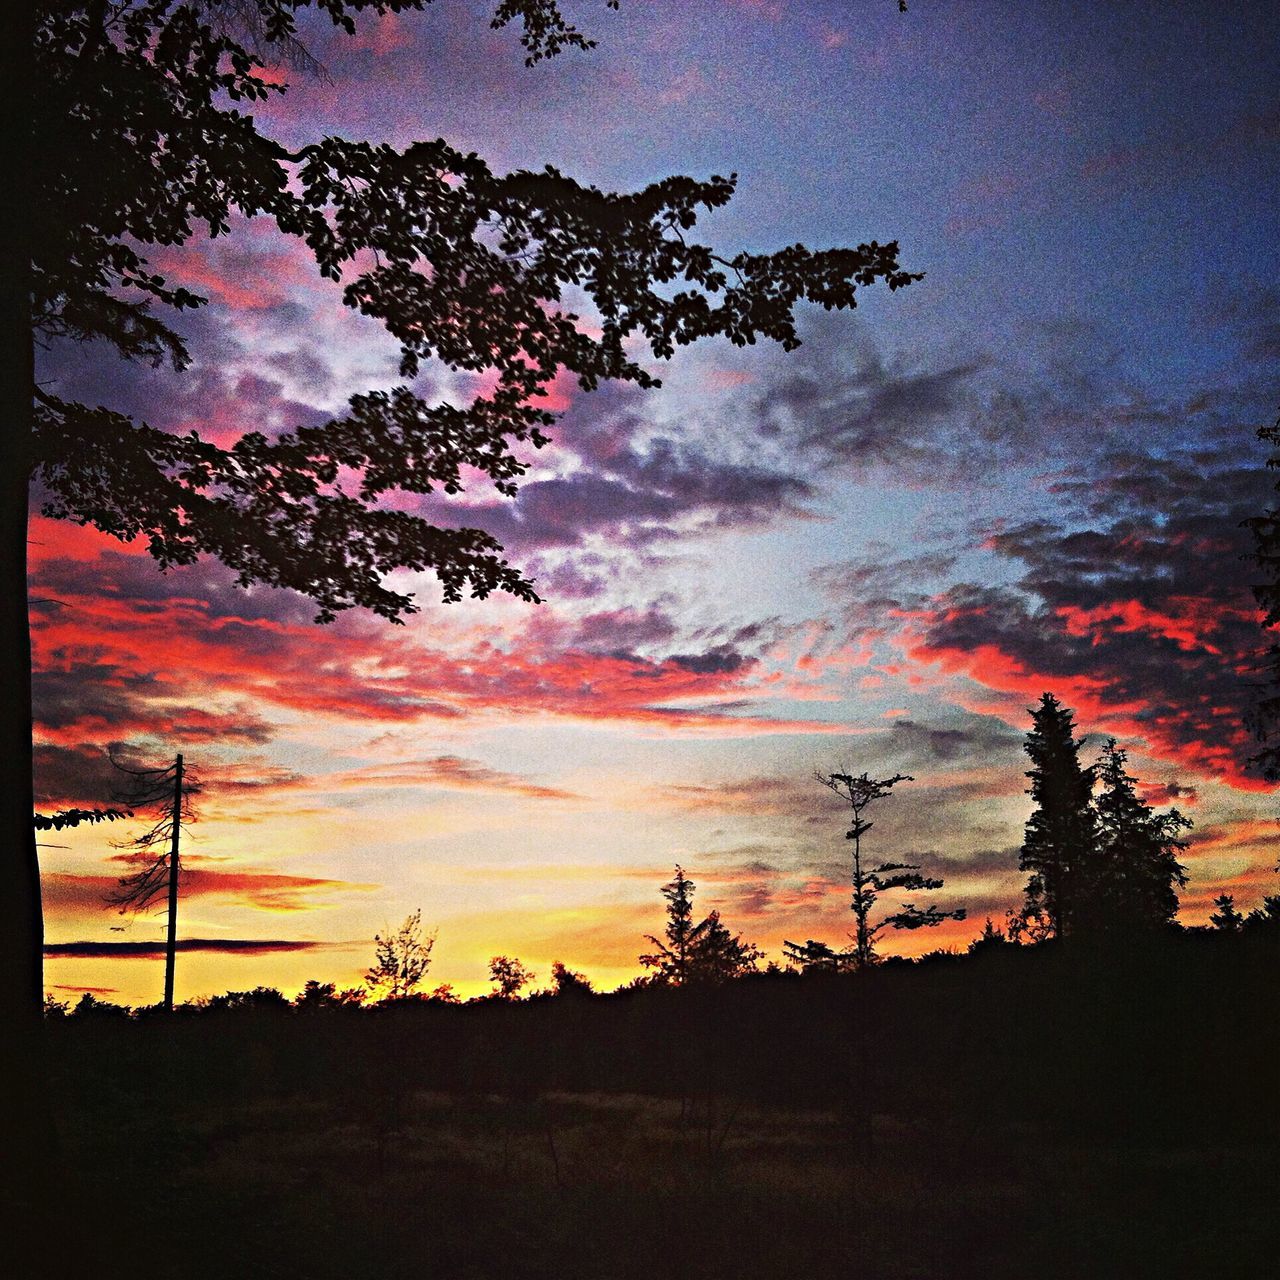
(157, 849)
(818, 955)
(1059, 835)
(1265, 919)
(992, 938)
(702, 952)
(142, 140)
(1264, 715)
(1135, 872)
(868, 885)
(401, 959)
(671, 959)
(565, 982)
(1226, 919)
(509, 977)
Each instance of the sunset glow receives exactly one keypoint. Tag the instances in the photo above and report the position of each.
(1026, 472)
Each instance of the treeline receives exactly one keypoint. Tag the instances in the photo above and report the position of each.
(1170, 1038)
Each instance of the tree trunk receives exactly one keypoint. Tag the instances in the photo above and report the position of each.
(27, 1138)
(171, 948)
(22, 934)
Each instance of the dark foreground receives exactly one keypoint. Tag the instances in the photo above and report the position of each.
(1011, 1115)
(579, 1186)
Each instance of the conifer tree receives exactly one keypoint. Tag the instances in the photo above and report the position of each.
(1226, 919)
(1058, 840)
(869, 884)
(1136, 873)
(703, 952)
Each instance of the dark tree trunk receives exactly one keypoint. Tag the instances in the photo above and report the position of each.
(28, 1138)
(171, 948)
(22, 934)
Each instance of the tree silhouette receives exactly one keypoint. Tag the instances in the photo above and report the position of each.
(401, 959)
(1059, 833)
(1226, 919)
(1134, 872)
(167, 792)
(137, 137)
(703, 952)
(568, 982)
(509, 977)
(1264, 715)
(869, 884)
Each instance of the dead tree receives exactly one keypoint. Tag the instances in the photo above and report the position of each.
(167, 793)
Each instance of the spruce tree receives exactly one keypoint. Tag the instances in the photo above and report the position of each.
(1059, 833)
(1136, 872)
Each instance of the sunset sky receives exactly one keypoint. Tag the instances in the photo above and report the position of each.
(1024, 473)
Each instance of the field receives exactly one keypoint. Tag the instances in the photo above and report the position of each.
(596, 1187)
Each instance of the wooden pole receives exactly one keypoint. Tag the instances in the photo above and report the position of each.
(171, 950)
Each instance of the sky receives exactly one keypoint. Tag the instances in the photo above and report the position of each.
(1024, 473)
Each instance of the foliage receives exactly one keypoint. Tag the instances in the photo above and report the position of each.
(1134, 870)
(144, 142)
(152, 790)
(814, 955)
(1264, 716)
(64, 818)
(1226, 918)
(567, 982)
(401, 959)
(992, 938)
(868, 885)
(706, 952)
(509, 977)
(1059, 833)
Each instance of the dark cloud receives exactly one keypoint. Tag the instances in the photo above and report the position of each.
(980, 739)
(1143, 614)
(222, 946)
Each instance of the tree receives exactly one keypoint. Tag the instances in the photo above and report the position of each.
(138, 138)
(1264, 715)
(719, 955)
(1059, 833)
(1226, 919)
(814, 955)
(868, 885)
(671, 959)
(1135, 873)
(509, 977)
(568, 982)
(157, 850)
(1264, 920)
(401, 959)
(706, 952)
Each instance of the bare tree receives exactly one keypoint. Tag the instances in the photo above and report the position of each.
(167, 793)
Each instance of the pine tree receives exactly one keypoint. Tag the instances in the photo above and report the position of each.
(1059, 834)
(1226, 919)
(703, 952)
(1264, 715)
(1136, 873)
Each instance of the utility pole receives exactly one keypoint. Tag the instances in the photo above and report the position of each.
(171, 949)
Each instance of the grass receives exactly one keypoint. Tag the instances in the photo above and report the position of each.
(603, 1187)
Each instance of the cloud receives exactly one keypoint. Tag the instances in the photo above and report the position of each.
(224, 946)
(1136, 610)
(118, 640)
(260, 890)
